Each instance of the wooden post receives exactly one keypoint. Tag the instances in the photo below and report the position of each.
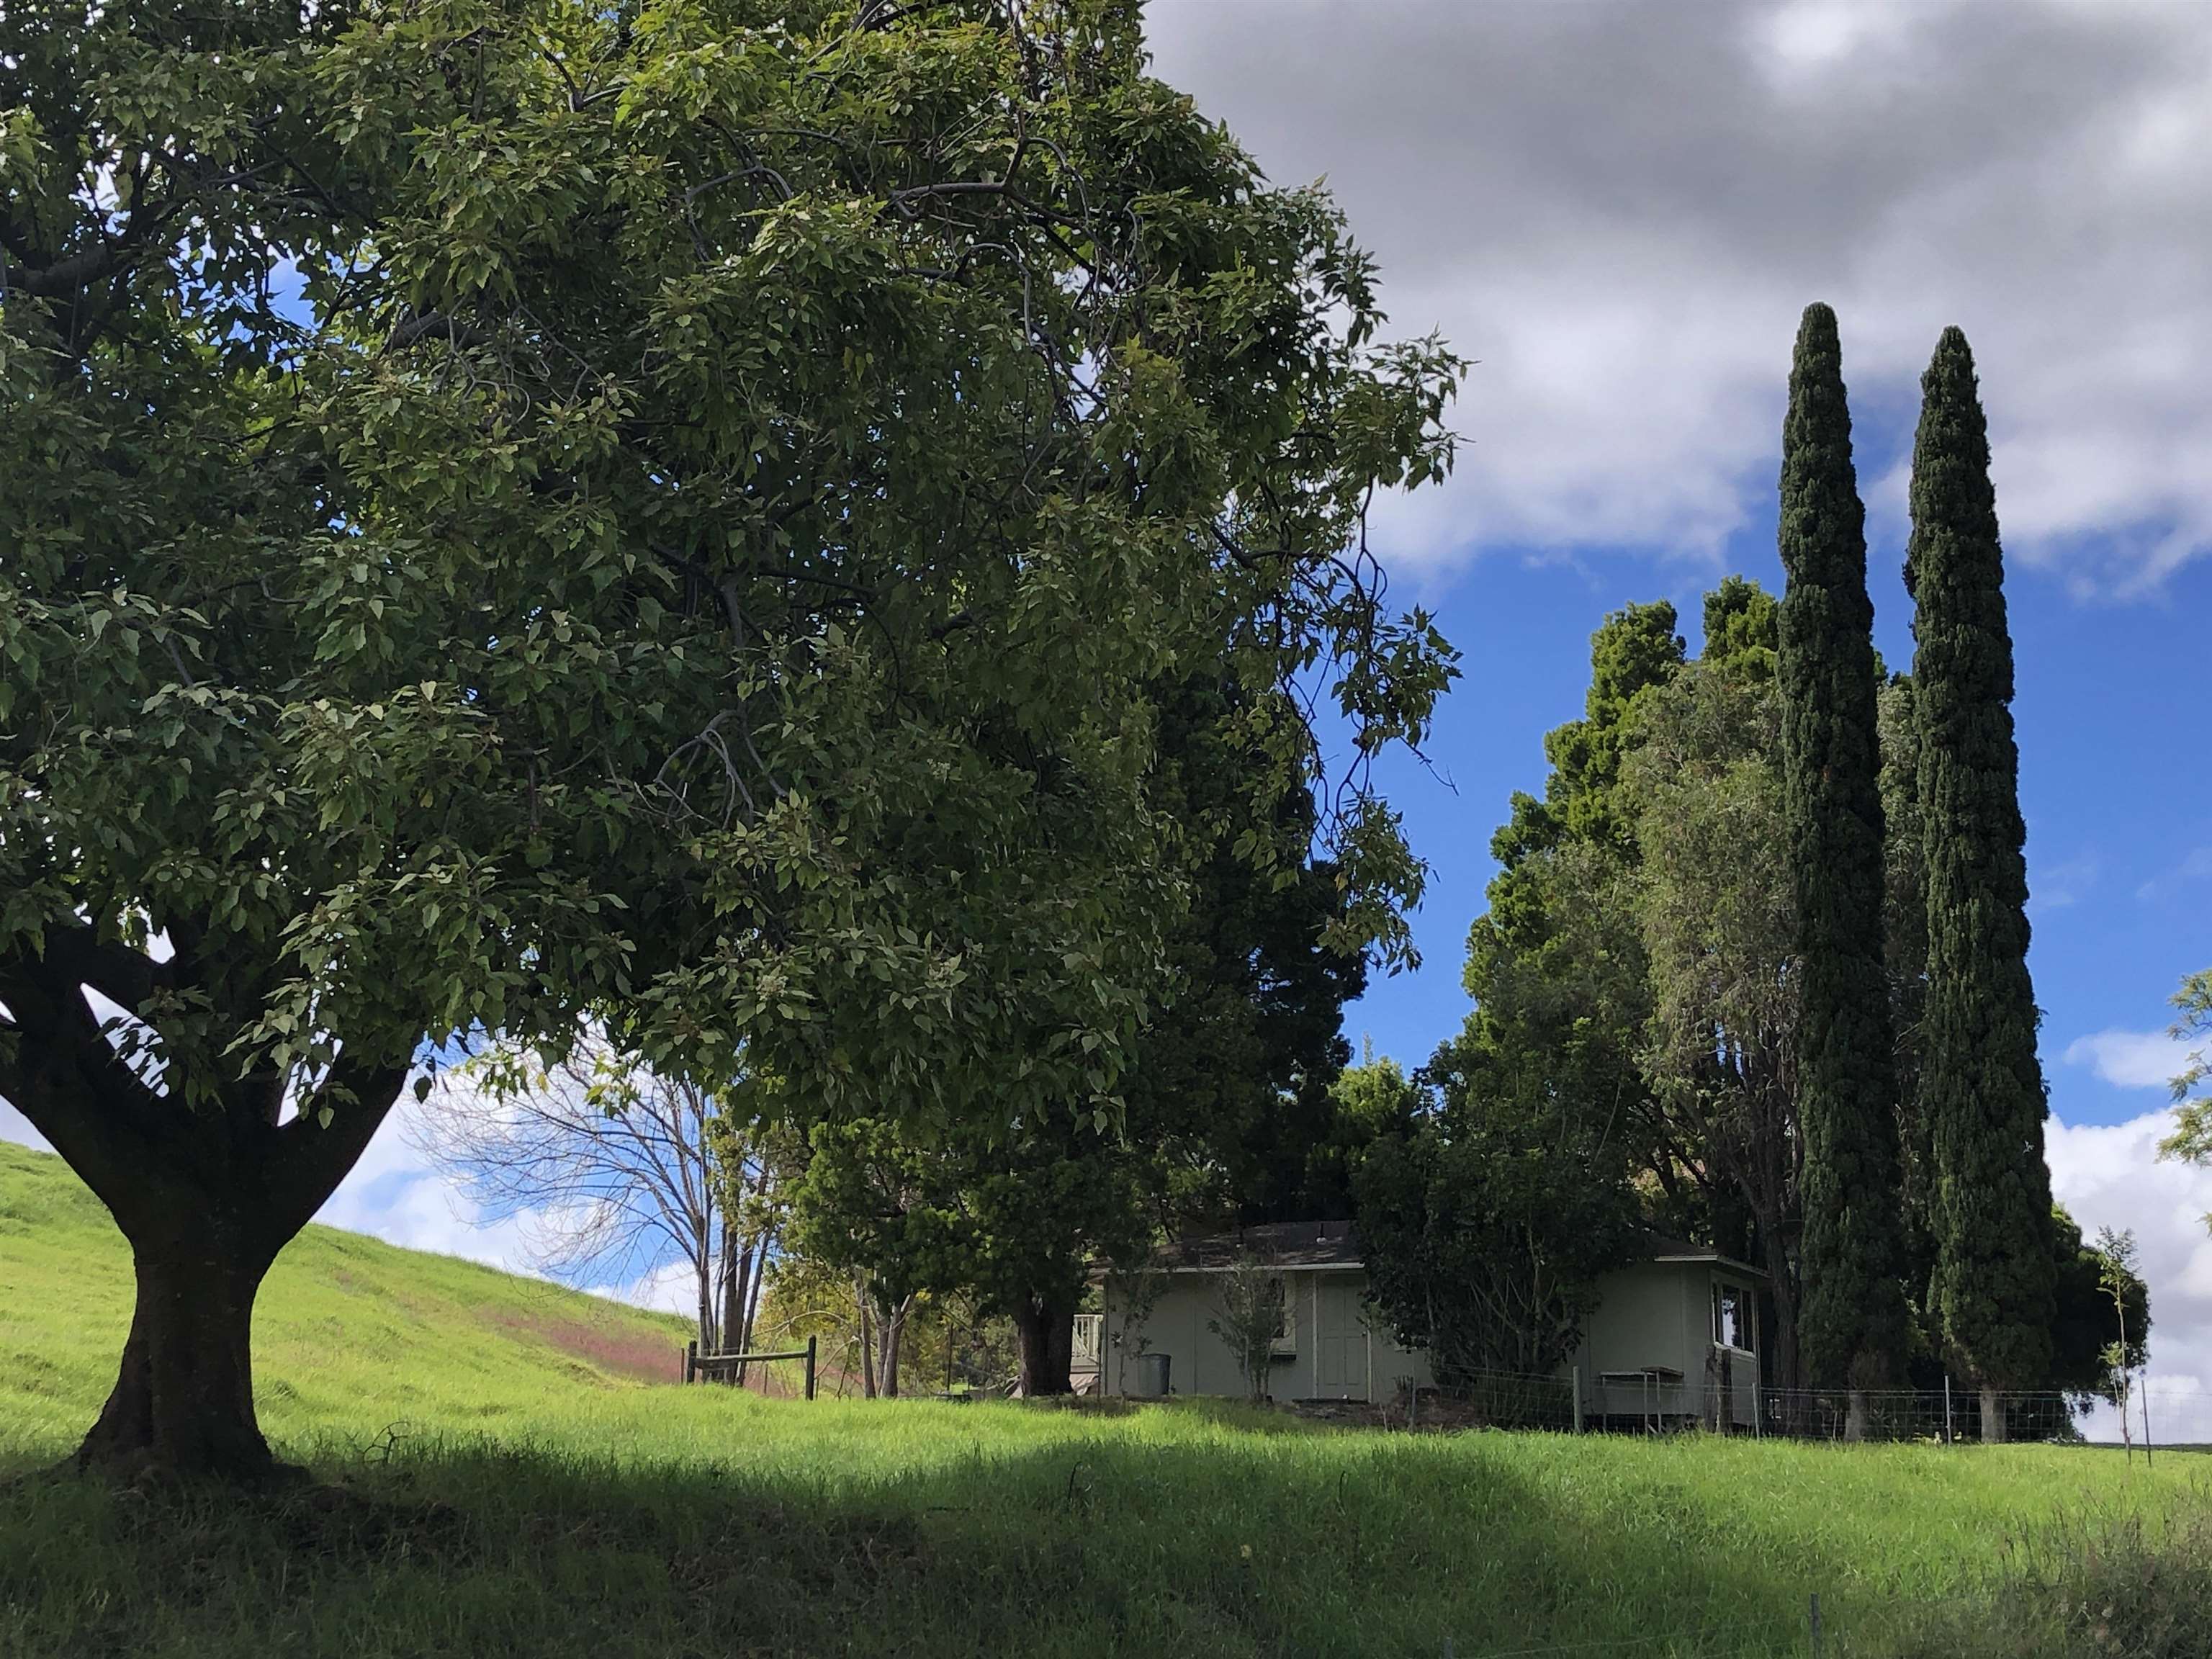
(2143, 1392)
(1576, 1374)
(1816, 1625)
(691, 1360)
(812, 1345)
(1948, 1437)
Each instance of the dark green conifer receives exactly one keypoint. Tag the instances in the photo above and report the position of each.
(1981, 1087)
(1852, 1321)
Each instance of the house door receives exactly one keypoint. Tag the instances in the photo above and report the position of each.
(1340, 1344)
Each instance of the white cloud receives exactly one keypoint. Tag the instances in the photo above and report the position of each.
(1620, 208)
(2196, 866)
(397, 1193)
(2060, 885)
(670, 1288)
(2131, 1059)
(2110, 1175)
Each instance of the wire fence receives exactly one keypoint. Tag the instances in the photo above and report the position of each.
(2174, 1411)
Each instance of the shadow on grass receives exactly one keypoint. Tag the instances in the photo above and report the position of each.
(1279, 1544)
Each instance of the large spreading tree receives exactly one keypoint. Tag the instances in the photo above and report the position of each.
(1851, 1323)
(1981, 1086)
(675, 511)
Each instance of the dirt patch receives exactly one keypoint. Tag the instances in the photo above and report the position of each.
(618, 1354)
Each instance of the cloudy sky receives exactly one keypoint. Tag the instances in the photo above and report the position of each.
(1619, 211)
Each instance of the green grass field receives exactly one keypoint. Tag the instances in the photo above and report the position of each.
(499, 1476)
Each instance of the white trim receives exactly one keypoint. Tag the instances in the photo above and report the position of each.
(1713, 1256)
(1265, 1267)
(1313, 1371)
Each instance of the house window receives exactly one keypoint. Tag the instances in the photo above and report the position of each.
(1732, 1316)
(1286, 1329)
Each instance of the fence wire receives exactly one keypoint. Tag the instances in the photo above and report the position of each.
(2175, 1412)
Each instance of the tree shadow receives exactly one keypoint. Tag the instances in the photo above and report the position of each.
(1285, 1544)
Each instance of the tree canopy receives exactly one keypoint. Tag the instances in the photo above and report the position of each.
(680, 509)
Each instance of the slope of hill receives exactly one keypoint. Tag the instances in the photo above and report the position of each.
(498, 1478)
(349, 1331)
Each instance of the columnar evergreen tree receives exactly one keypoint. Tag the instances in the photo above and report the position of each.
(1980, 1085)
(1905, 925)
(1853, 1316)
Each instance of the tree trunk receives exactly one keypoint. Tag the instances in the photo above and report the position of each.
(1993, 1416)
(867, 1342)
(734, 1261)
(1781, 1351)
(757, 1274)
(703, 1269)
(207, 1196)
(183, 1400)
(890, 1334)
(1044, 1327)
(736, 1310)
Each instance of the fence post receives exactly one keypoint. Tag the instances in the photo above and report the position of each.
(2143, 1379)
(1816, 1625)
(1576, 1374)
(691, 1359)
(811, 1343)
(1948, 1438)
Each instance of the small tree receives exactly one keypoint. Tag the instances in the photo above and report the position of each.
(2191, 1140)
(1486, 1234)
(1250, 1319)
(606, 1164)
(2116, 1276)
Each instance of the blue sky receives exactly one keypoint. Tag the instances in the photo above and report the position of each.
(2113, 783)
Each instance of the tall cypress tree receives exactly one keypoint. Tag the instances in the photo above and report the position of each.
(1981, 1086)
(1852, 1320)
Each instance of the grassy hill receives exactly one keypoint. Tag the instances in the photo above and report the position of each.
(500, 1476)
(351, 1334)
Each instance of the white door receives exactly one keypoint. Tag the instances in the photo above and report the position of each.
(1340, 1344)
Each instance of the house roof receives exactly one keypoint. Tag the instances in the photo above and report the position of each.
(1660, 1248)
(1311, 1245)
(1276, 1245)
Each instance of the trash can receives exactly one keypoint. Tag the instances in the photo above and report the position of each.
(1152, 1375)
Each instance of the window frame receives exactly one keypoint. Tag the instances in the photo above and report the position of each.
(1747, 1315)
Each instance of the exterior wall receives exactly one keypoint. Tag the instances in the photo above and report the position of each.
(1334, 1353)
(1200, 1363)
(1659, 1315)
(1652, 1315)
